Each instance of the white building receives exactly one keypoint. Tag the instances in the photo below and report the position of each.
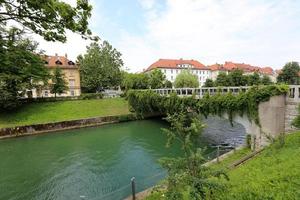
(171, 68)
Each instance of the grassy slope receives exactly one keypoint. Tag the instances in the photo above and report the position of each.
(63, 110)
(273, 174)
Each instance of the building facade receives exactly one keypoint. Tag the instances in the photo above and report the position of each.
(71, 75)
(246, 68)
(172, 67)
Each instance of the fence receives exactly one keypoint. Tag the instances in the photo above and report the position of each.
(200, 92)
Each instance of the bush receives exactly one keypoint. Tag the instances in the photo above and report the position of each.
(91, 96)
(147, 101)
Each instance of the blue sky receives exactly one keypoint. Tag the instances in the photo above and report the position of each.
(259, 32)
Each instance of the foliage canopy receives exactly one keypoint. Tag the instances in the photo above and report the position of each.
(100, 67)
(186, 80)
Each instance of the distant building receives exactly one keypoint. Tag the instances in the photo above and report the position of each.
(172, 67)
(246, 68)
(71, 73)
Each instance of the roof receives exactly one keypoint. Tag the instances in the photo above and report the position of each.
(174, 64)
(245, 67)
(229, 65)
(217, 67)
(58, 61)
(266, 70)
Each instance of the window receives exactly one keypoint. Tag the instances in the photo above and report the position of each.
(71, 63)
(71, 82)
(176, 71)
(46, 93)
(171, 77)
(171, 71)
(72, 92)
(58, 62)
(165, 71)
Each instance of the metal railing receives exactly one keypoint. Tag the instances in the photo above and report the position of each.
(293, 93)
(200, 92)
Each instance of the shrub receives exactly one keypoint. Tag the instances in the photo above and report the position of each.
(91, 96)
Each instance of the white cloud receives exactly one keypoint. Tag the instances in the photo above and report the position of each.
(262, 33)
(74, 46)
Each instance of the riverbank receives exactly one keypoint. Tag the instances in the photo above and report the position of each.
(59, 111)
(272, 174)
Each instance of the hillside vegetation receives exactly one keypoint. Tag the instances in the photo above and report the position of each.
(273, 174)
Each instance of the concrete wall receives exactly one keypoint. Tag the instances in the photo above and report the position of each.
(272, 119)
(272, 116)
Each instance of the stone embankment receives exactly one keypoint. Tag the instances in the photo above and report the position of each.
(65, 125)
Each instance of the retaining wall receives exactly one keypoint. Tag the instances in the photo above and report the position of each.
(65, 125)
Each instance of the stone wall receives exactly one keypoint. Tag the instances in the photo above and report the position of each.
(64, 125)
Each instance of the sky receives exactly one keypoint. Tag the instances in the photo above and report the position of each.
(257, 32)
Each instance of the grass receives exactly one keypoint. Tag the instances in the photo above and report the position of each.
(36, 113)
(273, 174)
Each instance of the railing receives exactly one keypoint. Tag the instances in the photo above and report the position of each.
(200, 92)
(294, 93)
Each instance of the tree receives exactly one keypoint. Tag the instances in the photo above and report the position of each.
(236, 78)
(156, 79)
(222, 80)
(209, 83)
(188, 172)
(168, 84)
(290, 74)
(21, 68)
(266, 80)
(48, 18)
(186, 80)
(100, 67)
(254, 79)
(135, 81)
(58, 85)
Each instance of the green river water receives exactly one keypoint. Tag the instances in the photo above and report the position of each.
(89, 163)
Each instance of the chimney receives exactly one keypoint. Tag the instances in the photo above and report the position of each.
(66, 55)
(56, 54)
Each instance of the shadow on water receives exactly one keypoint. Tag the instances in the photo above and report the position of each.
(93, 163)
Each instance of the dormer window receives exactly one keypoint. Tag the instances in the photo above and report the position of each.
(46, 62)
(71, 63)
(58, 62)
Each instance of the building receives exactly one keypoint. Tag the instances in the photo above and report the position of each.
(71, 73)
(172, 67)
(248, 69)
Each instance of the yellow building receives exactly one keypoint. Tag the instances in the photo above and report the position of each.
(71, 73)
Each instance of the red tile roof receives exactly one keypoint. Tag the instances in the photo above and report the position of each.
(173, 63)
(216, 67)
(266, 70)
(61, 61)
(247, 68)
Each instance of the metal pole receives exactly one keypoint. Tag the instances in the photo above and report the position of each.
(234, 144)
(133, 187)
(218, 153)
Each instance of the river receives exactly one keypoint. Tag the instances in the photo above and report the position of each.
(94, 163)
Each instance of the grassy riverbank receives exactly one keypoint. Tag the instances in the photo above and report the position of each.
(273, 174)
(46, 112)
